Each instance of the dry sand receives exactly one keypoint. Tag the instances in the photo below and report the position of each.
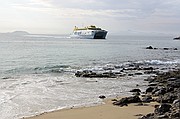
(105, 111)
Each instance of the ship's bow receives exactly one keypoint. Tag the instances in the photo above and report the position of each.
(100, 34)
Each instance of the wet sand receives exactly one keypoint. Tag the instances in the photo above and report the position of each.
(105, 111)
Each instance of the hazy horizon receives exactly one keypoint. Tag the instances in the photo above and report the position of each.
(60, 17)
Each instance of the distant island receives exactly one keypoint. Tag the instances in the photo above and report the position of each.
(16, 33)
(20, 33)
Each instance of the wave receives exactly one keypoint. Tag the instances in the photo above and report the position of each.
(64, 91)
(54, 69)
(63, 68)
(161, 62)
(37, 70)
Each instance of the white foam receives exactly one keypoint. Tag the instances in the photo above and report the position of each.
(160, 62)
(33, 94)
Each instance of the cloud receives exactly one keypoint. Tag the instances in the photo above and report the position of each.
(45, 3)
(129, 14)
(116, 9)
(63, 9)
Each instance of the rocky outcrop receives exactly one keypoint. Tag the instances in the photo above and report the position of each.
(135, 90)
(125, 101)
(91, 74)
(167, 90)
(176, 38)
(147, 99)
(165, 86)
(162, 109)
(165, 48)
(131, 70)
(149, 47)
(102, 97)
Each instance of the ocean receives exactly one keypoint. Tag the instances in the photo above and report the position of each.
(37, 71)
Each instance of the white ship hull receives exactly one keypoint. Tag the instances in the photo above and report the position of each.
(89, 34)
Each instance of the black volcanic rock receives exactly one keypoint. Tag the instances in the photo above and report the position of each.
(127, 100)
(147, 99)
(167, 98)
(166, 48)
(163, 108)
(102, 96)
(91, 74)
(176, 38)
(149, 89)
(149, 47)
(148, 116)
(167, 90)
(135, 90)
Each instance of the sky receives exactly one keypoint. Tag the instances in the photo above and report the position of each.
(116, 16)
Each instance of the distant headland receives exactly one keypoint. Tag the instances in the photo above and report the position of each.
(16, 33)
(19, 33)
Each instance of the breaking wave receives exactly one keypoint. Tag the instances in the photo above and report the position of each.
(161, 62)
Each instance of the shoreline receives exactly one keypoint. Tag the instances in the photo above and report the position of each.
(104, 111)
(159, 100)
(36, 84)
(139, 106)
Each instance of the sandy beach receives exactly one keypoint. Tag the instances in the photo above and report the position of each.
(105, 111)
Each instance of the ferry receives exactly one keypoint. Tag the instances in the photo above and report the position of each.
(89, 32)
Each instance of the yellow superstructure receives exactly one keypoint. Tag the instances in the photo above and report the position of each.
(91, 27)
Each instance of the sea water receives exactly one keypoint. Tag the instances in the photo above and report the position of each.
(37, 71)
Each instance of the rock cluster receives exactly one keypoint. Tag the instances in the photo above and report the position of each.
(150, 47)
(167, 91)
(163, 87)
(91, 74)
(133, 69)
(125, 101)
(166, 88)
